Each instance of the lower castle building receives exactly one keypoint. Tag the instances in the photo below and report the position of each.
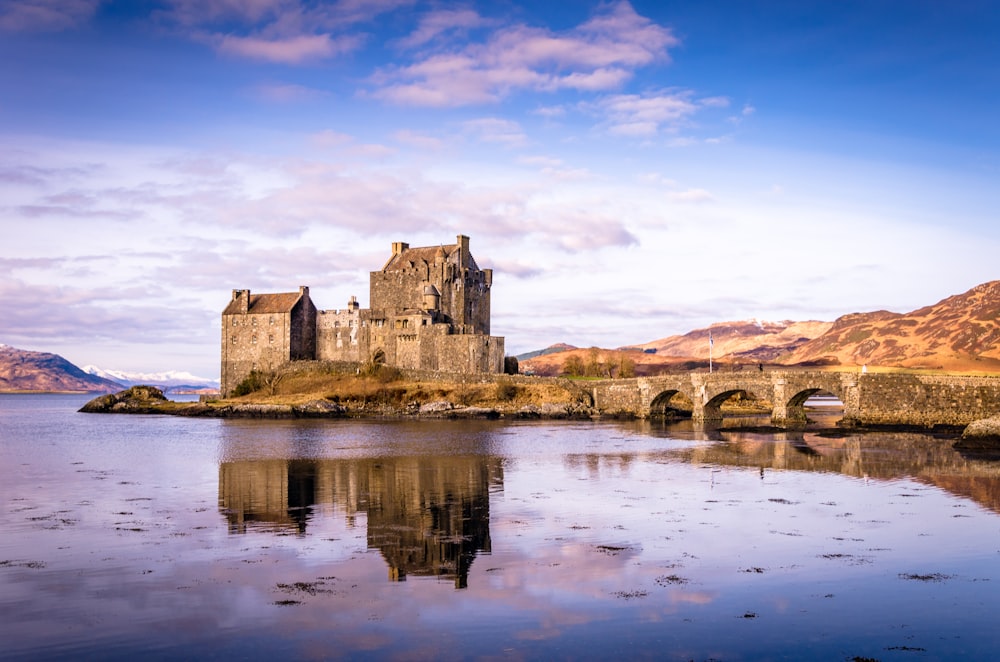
(430, 310)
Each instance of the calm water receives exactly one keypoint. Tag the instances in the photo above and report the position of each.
(167, 538)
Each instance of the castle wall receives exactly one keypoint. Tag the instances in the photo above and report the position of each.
(253, 342)
(341, 335)
(470, 354)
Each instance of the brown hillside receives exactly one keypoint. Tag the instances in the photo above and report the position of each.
(748, 339)
(22, 370)
(736, 343)
(960, 333)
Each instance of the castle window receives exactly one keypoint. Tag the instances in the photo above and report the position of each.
(236, 322)
(234, 339)
(270, 339)
(253, 339)
(253, 321)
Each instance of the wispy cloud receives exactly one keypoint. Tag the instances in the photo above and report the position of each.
(694, 195)
(419, 141)
(600, 54)
(291, 32)
(650, 114)
(496, 130)
(287, 50)
(45, 15)
(287, 93)
(443, 22)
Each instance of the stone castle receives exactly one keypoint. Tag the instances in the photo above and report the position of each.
(430, 310)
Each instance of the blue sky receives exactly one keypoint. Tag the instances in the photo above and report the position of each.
(630, 170)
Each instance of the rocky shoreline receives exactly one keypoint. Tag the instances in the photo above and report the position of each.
(978, 435)
(150, 400)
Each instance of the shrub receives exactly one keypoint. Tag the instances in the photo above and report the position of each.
(250, 384)
(506, 391)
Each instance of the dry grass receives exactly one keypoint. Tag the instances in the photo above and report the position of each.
(357, 390)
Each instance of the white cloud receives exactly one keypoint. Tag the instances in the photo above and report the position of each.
(598, 55)
(645, 115)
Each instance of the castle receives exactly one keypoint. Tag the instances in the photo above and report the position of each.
(430, 310)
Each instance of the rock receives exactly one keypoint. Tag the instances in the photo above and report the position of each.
(529, 411)
(319, 408)
(552, 410)
(252, 410)
(436, 407)
(984, 433)
(473, 412)
(135, 400)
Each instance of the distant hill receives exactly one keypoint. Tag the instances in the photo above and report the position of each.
(553, 349)
(752, 340)
(23, 370)
(734, 343)
(960, 333)
(170, 382)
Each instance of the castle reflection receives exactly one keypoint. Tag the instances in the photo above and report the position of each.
(428, 516)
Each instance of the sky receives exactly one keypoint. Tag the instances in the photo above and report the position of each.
(630, 171)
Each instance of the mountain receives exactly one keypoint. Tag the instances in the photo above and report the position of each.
(171, 381)
(552, 349)
(23, 370)
(752, 340)
(743, 342)
(960, 333)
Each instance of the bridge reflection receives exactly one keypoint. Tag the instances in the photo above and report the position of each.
(428, 516)
(874, 455)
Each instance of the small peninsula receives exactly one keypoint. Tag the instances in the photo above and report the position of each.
(317, 390)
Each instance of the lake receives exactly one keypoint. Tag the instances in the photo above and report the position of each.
(171, 538)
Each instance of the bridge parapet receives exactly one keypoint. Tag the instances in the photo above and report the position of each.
(870, 399)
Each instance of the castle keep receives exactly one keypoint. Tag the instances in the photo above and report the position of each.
(430, 310)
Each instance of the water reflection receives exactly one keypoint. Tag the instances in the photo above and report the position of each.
(927, 458)
(576, 540)
(428, 516)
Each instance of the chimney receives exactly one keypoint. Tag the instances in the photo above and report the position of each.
(243, 297)
(304, 290)
(463, 248)
(398, 247)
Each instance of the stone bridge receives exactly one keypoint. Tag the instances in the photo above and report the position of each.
(869, 399)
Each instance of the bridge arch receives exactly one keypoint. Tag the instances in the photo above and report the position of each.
(791, 394)
(671, 402)
(711, 410)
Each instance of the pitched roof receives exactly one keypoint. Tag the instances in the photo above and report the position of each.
(281, 302)
(425, 254)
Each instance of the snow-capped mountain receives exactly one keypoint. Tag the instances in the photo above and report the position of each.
(169, 381)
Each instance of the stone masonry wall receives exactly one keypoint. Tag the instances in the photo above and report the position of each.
(871, 399)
